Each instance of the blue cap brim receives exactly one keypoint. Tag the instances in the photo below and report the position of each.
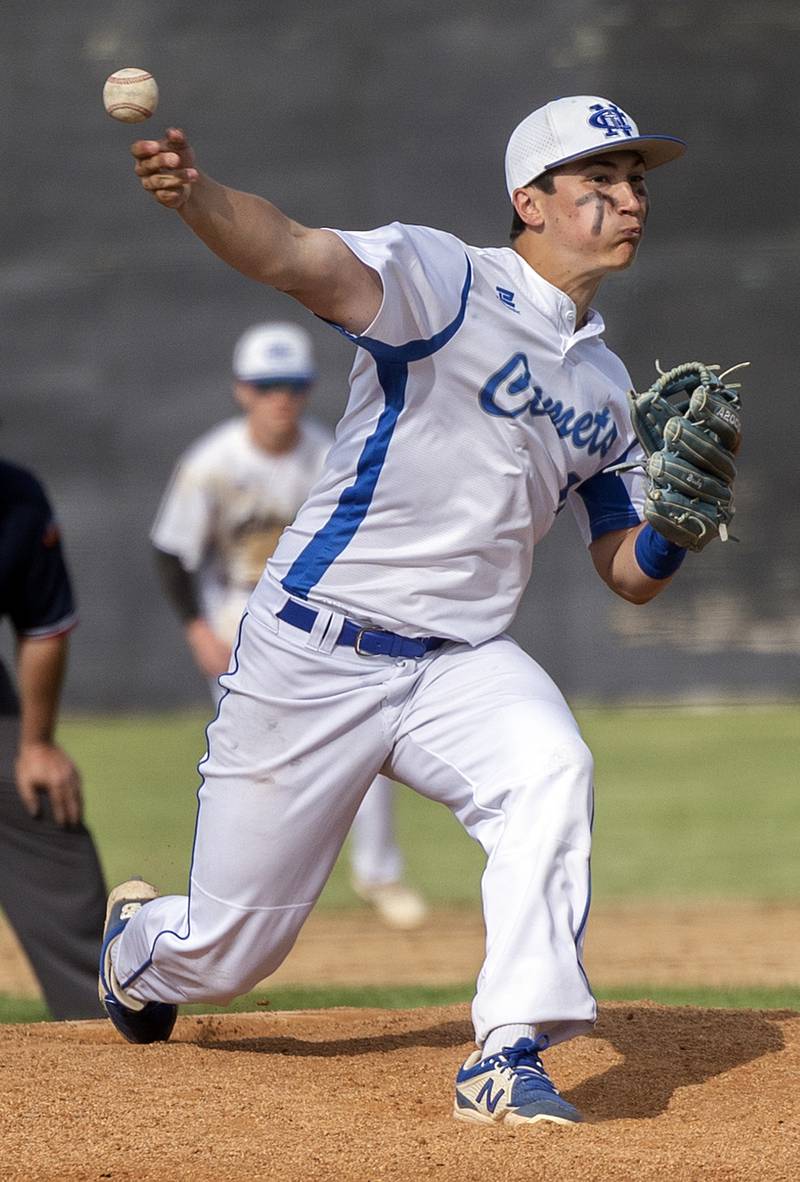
(266, 383)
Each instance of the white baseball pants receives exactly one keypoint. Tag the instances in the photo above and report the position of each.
(375, 856)
(302, 731)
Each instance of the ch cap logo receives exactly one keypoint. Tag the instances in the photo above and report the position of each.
(610, 119)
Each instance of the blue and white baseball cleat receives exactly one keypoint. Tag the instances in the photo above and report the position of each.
(511, 1088)
(137, 1021)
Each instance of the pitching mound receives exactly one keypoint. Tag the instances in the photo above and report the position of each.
(366, 1095)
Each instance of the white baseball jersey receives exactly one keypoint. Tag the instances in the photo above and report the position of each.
(226, 506)
(477, 409)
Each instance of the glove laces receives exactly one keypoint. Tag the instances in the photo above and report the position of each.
(705, 370)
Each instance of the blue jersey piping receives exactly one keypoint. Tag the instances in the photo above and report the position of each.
(391, 363)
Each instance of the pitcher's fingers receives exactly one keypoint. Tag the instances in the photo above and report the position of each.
(167, 180)
(176, 138)
(172, 198)
(163, 162)
(160, 162)
(144, 148)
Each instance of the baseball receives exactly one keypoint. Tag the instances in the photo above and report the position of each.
(130, 95)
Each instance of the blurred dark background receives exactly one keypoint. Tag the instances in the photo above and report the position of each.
(117, 326)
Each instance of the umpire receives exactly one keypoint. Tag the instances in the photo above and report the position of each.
(51, 884)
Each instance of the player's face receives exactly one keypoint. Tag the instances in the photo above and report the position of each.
(599, 209)
(272, 408)
(285, 400)
(280, 403)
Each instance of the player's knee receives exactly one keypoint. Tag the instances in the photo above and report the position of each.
(216, 993)
(575, 763)
(568, 775)
(224, 980)
(219, 978)
(231, 969)
(563, 755)
(579, 761)
(575, 785)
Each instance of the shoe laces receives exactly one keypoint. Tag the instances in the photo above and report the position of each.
(523, 1061)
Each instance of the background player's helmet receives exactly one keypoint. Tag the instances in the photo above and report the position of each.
(581, 125)
(274, 354)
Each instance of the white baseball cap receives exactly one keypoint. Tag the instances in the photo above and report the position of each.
(582, 125)
(274, 354)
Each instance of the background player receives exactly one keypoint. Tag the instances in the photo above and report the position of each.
(51, 885)
(231, 495)
(482, 400)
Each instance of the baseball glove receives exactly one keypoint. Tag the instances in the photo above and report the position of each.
(689, 425)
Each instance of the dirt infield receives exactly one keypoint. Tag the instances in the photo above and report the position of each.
(365, 1095)
(671, 1095)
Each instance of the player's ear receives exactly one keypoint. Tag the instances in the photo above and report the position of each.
(528, 204)
(243, 394)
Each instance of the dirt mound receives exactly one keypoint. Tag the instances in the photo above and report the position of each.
(366, 1095)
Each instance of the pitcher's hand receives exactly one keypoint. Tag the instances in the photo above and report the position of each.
(166, 167)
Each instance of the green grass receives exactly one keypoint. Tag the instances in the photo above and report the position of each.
(786, 997)
(14, 1009)
(696, 803)
(22, 1009)
(690, 803)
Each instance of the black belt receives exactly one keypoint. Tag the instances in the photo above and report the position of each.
(371, 642)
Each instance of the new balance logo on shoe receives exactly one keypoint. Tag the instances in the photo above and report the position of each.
(485, 1094)
(511, 1087)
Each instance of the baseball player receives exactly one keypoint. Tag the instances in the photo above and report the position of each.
(482, 399)
(232, 494)
(51, 885)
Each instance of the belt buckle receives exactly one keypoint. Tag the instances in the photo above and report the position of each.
(357, 642)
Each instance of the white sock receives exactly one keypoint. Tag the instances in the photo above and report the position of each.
(505, 1036)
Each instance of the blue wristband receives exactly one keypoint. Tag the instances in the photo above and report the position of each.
(656, 556)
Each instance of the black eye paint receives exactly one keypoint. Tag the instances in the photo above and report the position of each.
(600, 200)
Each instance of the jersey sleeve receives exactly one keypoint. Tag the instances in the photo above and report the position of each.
(425, 275)
(184, 521)
(612, 498)
(41, 603)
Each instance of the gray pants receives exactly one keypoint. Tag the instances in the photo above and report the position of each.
(52, 891)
